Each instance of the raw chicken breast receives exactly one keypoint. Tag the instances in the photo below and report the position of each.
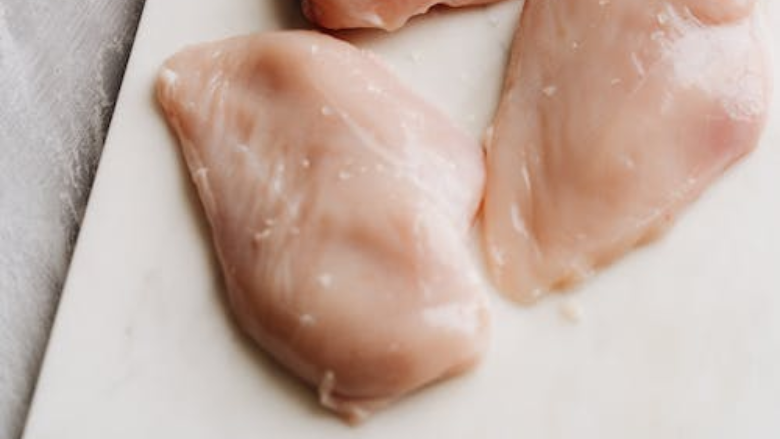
(339, 204)
(383, 14)
(615, 115)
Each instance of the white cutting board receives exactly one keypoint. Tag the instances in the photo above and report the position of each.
(680, 340)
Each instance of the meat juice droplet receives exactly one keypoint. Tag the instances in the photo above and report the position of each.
(262, 236)
(570, 311)
(307, 320)
(550, 91)
(169, 77)
(325, 280)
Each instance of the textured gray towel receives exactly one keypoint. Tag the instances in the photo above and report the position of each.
(61, 64)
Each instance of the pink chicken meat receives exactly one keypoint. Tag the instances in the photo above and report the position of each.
(339, 203)
(615, 115)
(383, 14)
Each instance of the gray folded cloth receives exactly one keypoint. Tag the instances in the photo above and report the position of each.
(61, 64)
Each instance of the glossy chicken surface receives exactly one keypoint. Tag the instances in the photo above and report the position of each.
(339, 204)
(615, 115)
(382, 14)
